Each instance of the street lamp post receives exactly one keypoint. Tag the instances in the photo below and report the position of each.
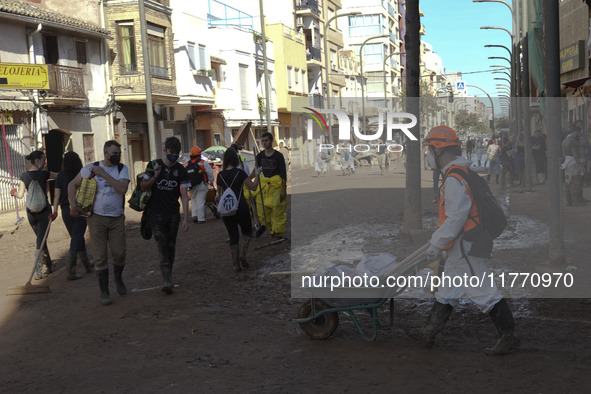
(326, 58)
(492, 105)
(363, 78)
(384, 68)
(499, 46)
(502, 72)
(500, 57)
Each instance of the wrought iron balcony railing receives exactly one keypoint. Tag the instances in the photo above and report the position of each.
(66, 82)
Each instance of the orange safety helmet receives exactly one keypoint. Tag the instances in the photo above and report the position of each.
(441, 137)
(195, 151)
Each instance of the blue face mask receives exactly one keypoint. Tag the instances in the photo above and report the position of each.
(172, 157)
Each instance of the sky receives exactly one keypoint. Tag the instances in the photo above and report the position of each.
(453, 28)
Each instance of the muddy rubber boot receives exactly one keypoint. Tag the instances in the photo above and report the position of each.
(243, 248)
(49, 266)
(103, 279)
(235, 258)
(83, 256)
(505, 325)
(168, 286)
(437, 318)
(37, 272)
(118, 271)
(71, 266)
(260, 230)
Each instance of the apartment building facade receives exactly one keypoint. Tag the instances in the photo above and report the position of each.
(72, 112)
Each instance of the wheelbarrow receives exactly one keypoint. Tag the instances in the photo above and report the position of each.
(319, 318)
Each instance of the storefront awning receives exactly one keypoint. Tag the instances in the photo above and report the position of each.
(16, 105)
(576, 83)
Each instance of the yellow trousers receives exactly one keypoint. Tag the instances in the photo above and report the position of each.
(274, 210)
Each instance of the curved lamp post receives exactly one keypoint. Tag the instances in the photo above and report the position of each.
(503, 79)
(502, 72)
(363, 78)
(326, 68)
(499, 46)
(500, 57)
(384, 68)
(492, 105)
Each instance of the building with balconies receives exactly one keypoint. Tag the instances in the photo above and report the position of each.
(380, 56)
(291, 75)
(241, 94)
(71, 111)
(129, 70)
(199, 70)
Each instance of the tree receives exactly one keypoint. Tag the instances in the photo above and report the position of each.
(469, 122)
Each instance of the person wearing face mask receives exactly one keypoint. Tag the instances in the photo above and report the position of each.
(107, 222)
(468, 247)
(168, 180)
(38, 220)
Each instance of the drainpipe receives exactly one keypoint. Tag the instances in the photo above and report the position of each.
(105, 61)
(32, 60)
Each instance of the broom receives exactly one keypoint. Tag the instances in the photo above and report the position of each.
(28, 288)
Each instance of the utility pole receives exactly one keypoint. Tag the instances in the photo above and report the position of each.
(412, 197)
(148, 82)
(265, 70)
(553, 127)
(527, 180)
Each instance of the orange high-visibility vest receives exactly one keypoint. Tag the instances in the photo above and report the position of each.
(473, 220)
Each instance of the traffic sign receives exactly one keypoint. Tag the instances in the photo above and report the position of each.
(23, 76)
(460, 85)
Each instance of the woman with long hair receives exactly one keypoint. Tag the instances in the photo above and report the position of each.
(233, 177)
(38, 220)
(76, 226)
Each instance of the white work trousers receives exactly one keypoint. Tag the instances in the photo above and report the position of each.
(198, 195)
(483, 295)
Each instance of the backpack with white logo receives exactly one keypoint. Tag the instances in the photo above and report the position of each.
(36, 200)
(228, 204)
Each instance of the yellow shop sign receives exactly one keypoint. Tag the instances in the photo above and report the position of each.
(23, 76)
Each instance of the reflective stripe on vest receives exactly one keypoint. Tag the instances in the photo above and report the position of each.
(473, 218)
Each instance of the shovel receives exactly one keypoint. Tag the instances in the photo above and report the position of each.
(28, 288)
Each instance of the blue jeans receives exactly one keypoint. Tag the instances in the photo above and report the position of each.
(494, 163)
(76, 228)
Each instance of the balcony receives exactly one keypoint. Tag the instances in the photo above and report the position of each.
(313, 53)
(306, 7)
(66, 84)
(316, 101)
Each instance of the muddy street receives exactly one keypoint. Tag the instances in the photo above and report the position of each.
(226, 332)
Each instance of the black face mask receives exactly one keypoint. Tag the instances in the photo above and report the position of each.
(115, 159)
(172, 157)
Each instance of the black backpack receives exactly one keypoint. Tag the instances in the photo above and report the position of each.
(195, 173)
(492, 217)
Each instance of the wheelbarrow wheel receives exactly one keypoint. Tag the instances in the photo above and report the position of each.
(323, 326)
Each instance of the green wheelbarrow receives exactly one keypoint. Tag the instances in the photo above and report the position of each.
(319, 318)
